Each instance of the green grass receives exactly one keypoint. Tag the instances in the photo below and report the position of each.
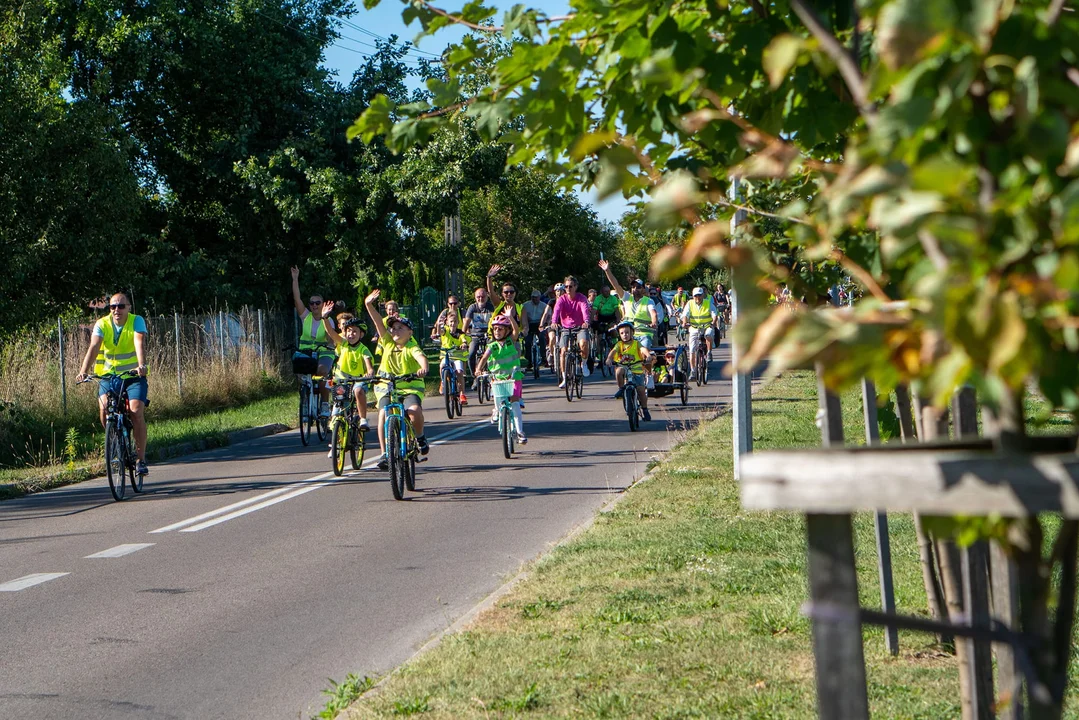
(678, 604)
(166, 438)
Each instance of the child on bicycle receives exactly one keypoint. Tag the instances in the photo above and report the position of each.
(399, 357)
(449, 331)
(503, 360)
(353, 357)
(629, 351)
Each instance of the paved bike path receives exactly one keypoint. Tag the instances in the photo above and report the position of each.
(265, 578)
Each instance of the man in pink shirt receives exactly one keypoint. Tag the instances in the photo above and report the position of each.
(572, 312)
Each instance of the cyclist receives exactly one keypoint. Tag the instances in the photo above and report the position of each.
(312, 333)
(121, 338)
(679, 300)
(353, 357)
(546, 323)
(662, 315)
(449, 331)
(503, 360)
(721, 300)
(699, 316)
(573, 314)
(399, 357)
(477, 317)
(636, 306)
(605, 311)
(534, 311)
(630, 350)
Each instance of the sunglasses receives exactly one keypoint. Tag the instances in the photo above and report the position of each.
(118, 306)
(509, 292)
(315, 302)
(451, 304)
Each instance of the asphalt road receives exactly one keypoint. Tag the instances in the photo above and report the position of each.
(247, 576)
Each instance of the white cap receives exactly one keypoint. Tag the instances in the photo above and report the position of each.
(698, 291)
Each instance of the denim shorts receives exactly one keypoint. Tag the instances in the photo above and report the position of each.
(136, 388)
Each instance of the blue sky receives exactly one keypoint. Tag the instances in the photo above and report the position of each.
(348, 53)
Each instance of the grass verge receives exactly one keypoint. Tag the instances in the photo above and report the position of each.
(677, 603)
(166, 438)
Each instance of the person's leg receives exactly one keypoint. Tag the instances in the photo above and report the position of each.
(382, 425)
(415, 414)
(708, 337)
(325, 366)
(102, 403)
(620, 376)
(360, 394)
(138, 425)
(582, 342)
(694, 341)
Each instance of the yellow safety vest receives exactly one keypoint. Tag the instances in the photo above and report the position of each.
(119, 354)
(700, 314)
(637, 311)
(307, 340)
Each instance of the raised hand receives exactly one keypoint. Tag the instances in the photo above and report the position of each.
(495, 269)
(604, 265)
(295, 272)
(327, 308)
(373, 296)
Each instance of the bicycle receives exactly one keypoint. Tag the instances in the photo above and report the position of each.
(602, 345)
(574, 376)
(450, 390)
(503, 391)
(480, 382)
(305, 365)
(535, 355)
(345, 431)
(630, 402)
(700, 371)
(121, 455)
(402, 450)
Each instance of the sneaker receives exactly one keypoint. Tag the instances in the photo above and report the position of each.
(585, 372)
(384, 462)
(618, 395)
(141, 469)
(324, 410)
(330, 453)
(440, 388)
(563, 383)
(364, 425)
(494, 416)
(421, 442)
(522, 401)
(647, 416)
(473, 384)
(464, 400)
(521, 439)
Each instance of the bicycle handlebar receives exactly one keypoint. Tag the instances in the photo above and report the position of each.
(126, 375)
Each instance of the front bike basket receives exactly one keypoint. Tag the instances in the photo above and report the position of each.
(502, 389)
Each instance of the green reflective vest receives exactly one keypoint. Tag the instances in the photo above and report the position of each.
(699, 313)
(309, 339)
(637, 312)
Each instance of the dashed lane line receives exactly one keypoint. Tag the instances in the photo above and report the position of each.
(28, 581)
(119, 550)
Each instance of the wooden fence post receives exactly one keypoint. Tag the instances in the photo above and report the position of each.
(880, 524)
(63, 374)
(176, 330)
(262, 347)
(833, 583)
(975, 572)
(930, 577)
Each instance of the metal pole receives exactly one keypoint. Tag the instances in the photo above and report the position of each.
(63, 375)
(742, 385)
(262, 354)
(880, 525)
(176, 332)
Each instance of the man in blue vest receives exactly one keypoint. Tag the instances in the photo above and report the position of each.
(121, 337)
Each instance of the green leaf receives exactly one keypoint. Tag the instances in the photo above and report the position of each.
(375, 120)
(589, 143)
(890, 214)
(780, 56)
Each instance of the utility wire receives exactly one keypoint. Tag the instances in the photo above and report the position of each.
(365, 31)
(406, 61)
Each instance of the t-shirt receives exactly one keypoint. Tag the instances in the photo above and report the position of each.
(606, 306)
(480, 316)
(139, 327)
(401, 361)
(572, 311)
(534, 311)
(630, 353)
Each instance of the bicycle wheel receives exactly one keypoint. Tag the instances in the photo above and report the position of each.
(322, 424)
(397, 462)
(114, 460)
(578, 383)
(704, 370)
(485, 388)
(305, 407)
(536, 361)
(571, 368)
(631, 406)
(132, 455)
(505, 420)
(447, 392)
(603, 352)
(355, 443)
(338, 443)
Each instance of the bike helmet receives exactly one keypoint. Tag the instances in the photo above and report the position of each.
(403, 320)
(560, 286)
(624, 323)
(358, 324)
(502, 321)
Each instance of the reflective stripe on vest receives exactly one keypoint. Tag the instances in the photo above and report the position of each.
(119, 354)
(504, 361)
(637, 311)
(307, 342)
(700, 314)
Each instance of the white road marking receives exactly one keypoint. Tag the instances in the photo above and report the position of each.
(265, 500)
(120, 550)
(30, 581)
